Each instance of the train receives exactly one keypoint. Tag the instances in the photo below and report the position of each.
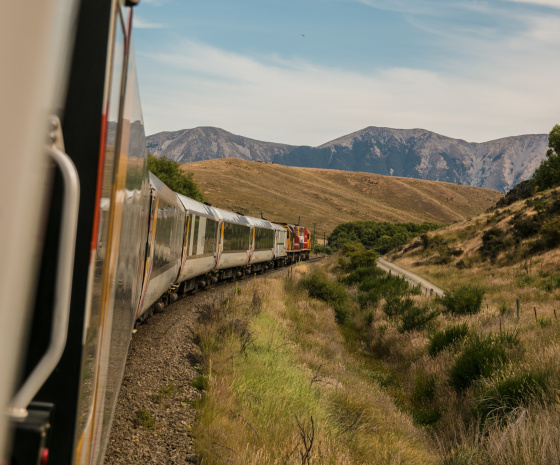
(91, 243)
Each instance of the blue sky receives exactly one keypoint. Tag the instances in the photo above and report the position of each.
(305, 72)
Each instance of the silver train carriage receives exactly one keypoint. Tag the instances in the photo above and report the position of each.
(165, 244)
(201, 247)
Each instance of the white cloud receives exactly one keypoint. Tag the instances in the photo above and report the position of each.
(140, 23)
(550, 3)
(300, 103)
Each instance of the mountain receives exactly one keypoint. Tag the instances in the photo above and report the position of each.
(206, 143)
(421, 154)
(330, 197)
(414, 153)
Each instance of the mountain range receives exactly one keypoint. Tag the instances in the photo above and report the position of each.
(415, 153)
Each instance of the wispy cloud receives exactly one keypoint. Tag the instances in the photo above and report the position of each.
(140, 23)
(550, 3)
(303, 103)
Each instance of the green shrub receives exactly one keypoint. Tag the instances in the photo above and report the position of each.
(416, 318)
(396, 306)
(504, 309)
(550, 232)
(447, 337)
(198, 382)
(171, 174)
(525, 226)
(551, 283)
(520, 191)
(144, 419)
(333, 292)
(373, 288)
(479, 358)
(511, 391)
(509, 338)
(494, 241)
(359, 274)
(464, 300)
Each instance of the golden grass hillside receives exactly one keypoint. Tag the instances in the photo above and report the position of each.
(495, 251)
(330, 197)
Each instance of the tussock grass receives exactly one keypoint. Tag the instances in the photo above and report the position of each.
(296, 380)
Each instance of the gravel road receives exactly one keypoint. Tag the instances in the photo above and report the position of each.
(410, 277)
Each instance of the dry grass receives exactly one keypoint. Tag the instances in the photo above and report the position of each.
(297, 379)
(330, 197)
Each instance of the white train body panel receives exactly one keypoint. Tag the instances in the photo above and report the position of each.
(280, 241)
(234, 248)
(201, 249)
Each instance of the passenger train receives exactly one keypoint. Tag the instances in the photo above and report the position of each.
(90, 242)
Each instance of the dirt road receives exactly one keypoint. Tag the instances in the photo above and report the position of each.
(410, 277)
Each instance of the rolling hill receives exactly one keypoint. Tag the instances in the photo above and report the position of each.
(330, 197)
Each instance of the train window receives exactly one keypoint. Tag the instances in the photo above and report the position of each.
(236, 237)
(210, 236)
(194, 250)
(264, 239)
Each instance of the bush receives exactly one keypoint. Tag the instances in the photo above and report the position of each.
(395, 306)
(320, 287)
(373, 288)
(511, 391)
(520, 191)
(466, 300)
(525, 226)
(416, 318)
(479, 358)
(494, 241)
(550, 232)
(547, 174)
(447, 337)
(381, 237)
(170, 173)
(360, 274)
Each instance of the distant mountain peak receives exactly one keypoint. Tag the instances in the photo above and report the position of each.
(416, 153)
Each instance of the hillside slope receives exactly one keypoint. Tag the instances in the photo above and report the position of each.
(512, 251)
(330, 197)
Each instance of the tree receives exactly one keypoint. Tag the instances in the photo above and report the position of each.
(173, 177)
(547, 174)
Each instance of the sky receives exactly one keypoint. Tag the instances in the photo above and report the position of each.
(305, 72)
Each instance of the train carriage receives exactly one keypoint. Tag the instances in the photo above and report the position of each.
(234, 248)
(166, 238)
(201, 247)
(262, 246)
(280, 244)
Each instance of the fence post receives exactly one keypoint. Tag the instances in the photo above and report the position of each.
(517, 302)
